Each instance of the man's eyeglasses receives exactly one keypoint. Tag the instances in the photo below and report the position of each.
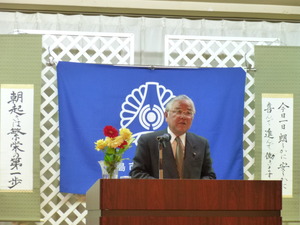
(179, 112)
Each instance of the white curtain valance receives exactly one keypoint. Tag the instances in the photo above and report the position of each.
(149, 33)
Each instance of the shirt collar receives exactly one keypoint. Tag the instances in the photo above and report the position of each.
(173, 136)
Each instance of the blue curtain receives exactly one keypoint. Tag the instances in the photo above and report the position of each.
(92, 96)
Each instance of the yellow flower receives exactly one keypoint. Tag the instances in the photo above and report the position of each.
(108, 141)
(116, 142)
(100, 144)
(125, 133)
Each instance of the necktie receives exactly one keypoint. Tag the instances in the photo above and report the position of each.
(179, 156)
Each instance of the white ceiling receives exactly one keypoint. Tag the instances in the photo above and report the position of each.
(270, 2)
(279, 10)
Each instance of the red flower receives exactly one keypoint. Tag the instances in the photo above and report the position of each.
(123, 144)
(110, 131)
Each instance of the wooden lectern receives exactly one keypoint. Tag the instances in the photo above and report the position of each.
(184, 202)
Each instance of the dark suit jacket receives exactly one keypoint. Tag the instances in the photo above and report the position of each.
(197, 160)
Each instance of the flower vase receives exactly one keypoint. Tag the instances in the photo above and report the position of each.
(109, 173)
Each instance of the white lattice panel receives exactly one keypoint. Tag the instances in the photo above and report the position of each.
(197, 51)
(66, 209)
(105, 48)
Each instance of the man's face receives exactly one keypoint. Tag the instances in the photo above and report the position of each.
(180, 117)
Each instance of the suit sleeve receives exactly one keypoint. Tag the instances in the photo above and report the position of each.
(207, 169)
(142, 165)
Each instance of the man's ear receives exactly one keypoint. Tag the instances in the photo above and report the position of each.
(166, 114)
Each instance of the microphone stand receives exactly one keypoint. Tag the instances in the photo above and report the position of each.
(161, 146)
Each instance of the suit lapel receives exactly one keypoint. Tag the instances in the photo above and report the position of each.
(191, 152)
(170, 168)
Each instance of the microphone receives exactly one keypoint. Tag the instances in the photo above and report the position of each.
(162, 144)
(164, 137)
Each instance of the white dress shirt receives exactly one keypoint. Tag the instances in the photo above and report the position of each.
(173, 142)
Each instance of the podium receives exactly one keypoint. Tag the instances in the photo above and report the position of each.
(184, 202)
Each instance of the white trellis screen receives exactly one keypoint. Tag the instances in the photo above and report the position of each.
(105, 48)
(118, 48)
(198, 51)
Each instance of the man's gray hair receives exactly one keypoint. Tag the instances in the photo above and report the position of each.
(179, 98)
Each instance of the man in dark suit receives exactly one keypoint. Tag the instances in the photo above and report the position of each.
(196, 162)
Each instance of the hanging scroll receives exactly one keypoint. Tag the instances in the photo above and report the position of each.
(277, 140)
(16, 152)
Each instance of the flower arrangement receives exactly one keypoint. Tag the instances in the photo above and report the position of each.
(114, 145)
